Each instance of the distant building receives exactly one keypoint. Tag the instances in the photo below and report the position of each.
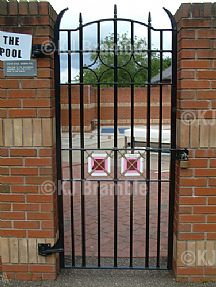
(166, 76)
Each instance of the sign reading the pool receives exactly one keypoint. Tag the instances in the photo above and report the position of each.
(15, 46)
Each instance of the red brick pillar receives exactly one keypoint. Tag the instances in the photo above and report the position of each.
(195, 220)
(27, 145)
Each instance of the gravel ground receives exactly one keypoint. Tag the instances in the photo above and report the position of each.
(108, 278)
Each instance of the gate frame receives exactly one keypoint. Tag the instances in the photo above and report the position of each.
(173, 149)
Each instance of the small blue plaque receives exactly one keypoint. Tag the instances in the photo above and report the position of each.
(20, 68)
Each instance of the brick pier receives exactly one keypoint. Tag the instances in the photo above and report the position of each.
(28, 216)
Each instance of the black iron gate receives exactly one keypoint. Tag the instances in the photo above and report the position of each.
(115, 198)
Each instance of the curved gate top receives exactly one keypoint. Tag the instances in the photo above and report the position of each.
(117, 180)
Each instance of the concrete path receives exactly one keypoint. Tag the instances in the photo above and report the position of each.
(110, 278)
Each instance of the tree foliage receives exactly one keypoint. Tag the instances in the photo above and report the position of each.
(132, 67)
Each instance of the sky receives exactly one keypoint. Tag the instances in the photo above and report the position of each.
(137, 9)
(97, 9)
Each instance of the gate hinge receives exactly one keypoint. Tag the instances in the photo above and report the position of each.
(45, 249)
(182, 154)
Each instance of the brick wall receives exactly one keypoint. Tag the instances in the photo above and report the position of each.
(107, 106)
(26, 148)
(195, 218)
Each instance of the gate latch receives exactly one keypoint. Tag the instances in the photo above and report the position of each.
(45, 249)
(182, 155)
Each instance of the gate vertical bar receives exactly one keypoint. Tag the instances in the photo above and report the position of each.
(159, 151)
(173, 139)
(99, 224)
(58, 133)
(132, 150)
(98, 146)
(148, 144)
(70, 147)
(115, 138)
(82, 142)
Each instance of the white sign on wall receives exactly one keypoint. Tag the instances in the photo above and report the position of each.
(15, 46)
